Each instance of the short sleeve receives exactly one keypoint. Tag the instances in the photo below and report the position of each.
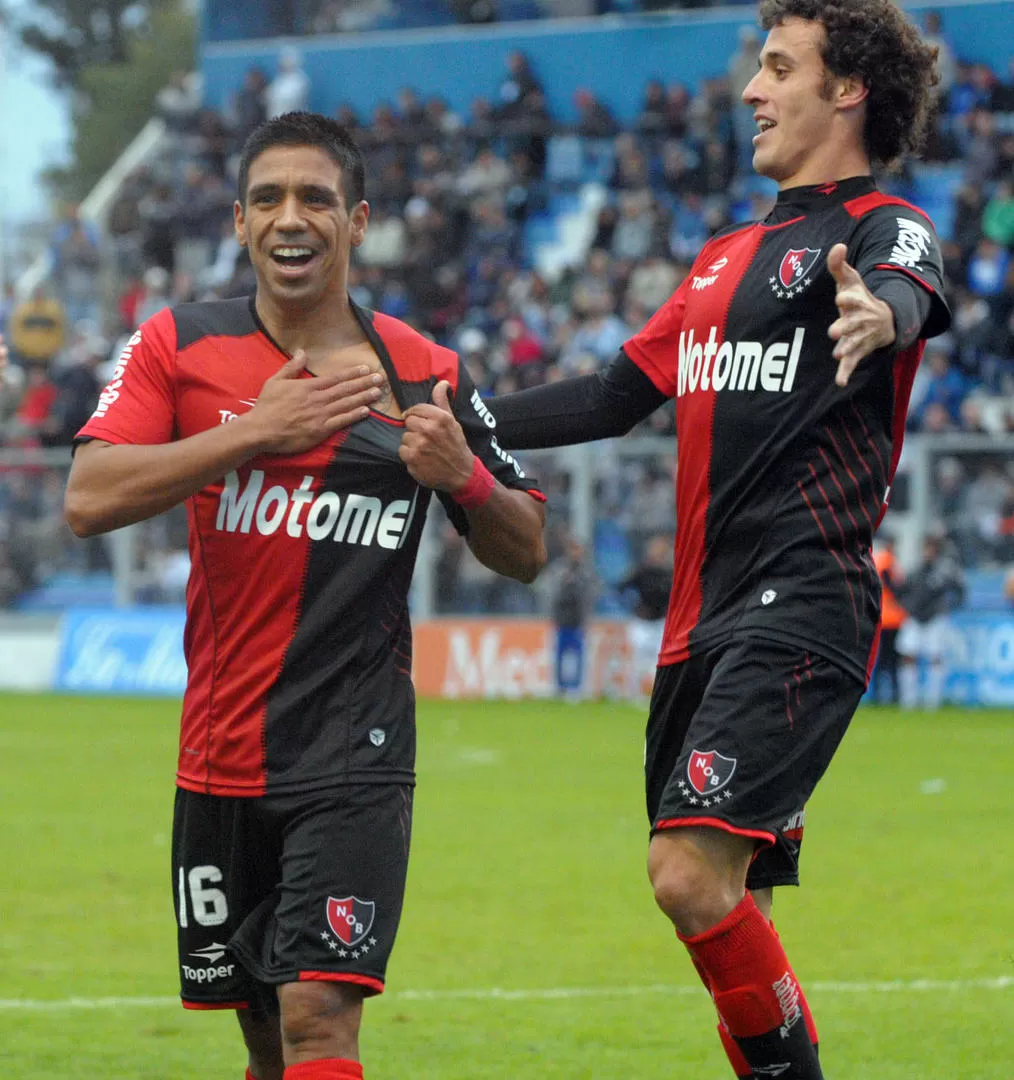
(479, 426)
(896, 239)
(137, 405)
(654, 350)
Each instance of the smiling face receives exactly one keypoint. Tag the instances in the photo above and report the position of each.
(296, 225)
(809, 121)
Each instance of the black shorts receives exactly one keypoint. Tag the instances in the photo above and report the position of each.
(738, 738)
(290, 888)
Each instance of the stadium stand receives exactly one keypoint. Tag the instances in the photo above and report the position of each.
(534, 244)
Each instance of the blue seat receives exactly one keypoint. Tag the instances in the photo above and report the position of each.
(564, 161)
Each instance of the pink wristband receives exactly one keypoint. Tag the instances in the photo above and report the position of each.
(478, 488)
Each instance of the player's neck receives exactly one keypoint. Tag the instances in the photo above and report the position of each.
(328, 322)
(829, 164)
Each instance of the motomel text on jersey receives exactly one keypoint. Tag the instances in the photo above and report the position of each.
(346, 519)
(737, 365)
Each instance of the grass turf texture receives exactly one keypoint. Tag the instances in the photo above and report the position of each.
(527, 875)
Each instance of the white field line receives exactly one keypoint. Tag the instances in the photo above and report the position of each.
(561, 993)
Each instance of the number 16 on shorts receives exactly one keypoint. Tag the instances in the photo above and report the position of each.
(207, 904)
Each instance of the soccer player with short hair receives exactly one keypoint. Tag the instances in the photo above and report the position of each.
(790, 349)
(305, 435)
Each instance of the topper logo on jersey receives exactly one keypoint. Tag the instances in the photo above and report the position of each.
(111, 393)
(912, 245)
(346, 519)
(727, 365)
(706, 281)
(792, 273)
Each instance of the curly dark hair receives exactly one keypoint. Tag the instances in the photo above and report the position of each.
(873, 40)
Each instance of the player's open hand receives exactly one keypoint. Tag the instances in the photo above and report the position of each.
(294, 413)
(864, 323)
(433, 447)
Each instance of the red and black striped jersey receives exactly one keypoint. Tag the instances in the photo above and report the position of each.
(782, 476)
(298, 640)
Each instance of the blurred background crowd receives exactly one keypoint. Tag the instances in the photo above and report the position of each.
(534, 247)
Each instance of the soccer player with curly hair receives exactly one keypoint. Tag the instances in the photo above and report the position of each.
(790, 349)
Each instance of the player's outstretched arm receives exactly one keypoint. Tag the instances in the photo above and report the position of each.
(112, 485)
(579, 410)
(505, 526)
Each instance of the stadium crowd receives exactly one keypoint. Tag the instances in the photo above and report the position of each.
(304, 17)
(463, 210)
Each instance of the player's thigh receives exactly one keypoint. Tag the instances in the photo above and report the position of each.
(675, 697)
(224, 863)
(767, 724)
(335, 913)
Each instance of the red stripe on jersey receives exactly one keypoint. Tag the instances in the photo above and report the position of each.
(871, 660)
(536, 495)
(715, 823)
(865, 203)
(394, 421)
(695, 416)
(852, 475)
(827, 544)
(908, 273)
(906, 364)
(225, 707)
(333, 976)
(415, 357)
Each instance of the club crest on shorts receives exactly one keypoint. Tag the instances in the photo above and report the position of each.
(709, 771)
(792, 274)
(350, 919)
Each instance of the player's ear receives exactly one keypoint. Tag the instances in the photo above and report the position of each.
(852, 91)
(239, 218)
(359, 217)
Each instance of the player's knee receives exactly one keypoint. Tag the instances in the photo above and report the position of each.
(690, 888)
(321, 1016)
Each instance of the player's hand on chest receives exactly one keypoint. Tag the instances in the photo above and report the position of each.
(332, 362)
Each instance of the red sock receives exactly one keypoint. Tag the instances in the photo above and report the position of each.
(753, 985)
(325, 1069)
(811, 1025)
(740, 1066)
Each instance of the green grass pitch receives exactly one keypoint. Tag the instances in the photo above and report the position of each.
(530, 944)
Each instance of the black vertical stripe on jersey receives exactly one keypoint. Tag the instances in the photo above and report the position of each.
(345, 670)
(406, 393)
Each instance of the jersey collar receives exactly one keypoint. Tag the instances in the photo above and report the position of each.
(811, 196)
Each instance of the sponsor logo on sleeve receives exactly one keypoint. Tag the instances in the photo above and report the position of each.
(912, 245)
(110, 395)
(490, 421)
